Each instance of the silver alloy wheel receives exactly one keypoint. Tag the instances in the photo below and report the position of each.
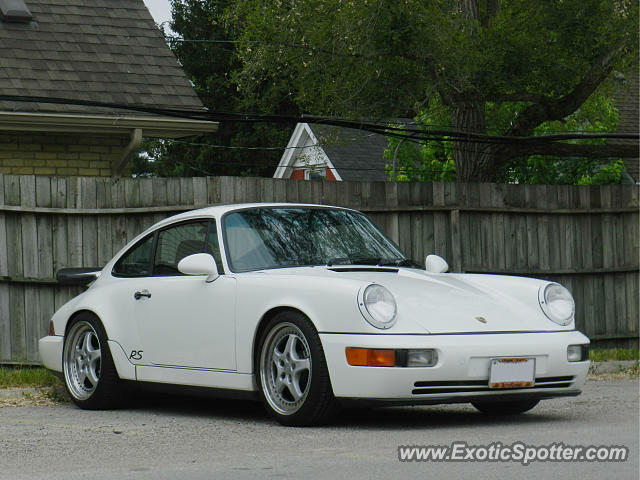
(285, 368)
(82, 360)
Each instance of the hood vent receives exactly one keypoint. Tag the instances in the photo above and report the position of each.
(15, 11)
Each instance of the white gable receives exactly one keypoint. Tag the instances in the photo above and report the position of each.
(303, 152)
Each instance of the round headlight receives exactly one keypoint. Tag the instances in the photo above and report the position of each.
(557, 303)
(378, 306)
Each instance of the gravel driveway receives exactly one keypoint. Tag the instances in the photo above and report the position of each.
(186, 438)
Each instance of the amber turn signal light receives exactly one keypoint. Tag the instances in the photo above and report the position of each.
(368, 357)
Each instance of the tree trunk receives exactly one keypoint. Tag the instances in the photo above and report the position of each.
(471, 9)
(492, 10)
(474, 161)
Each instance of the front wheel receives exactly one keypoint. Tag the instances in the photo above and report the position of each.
(506, 408)
(292, 373)
(89, 373)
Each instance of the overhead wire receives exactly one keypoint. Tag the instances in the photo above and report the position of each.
(258, 164)
(388, 129)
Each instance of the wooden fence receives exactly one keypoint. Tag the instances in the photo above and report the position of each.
(583, 237)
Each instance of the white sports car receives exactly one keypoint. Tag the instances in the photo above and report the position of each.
(308, 308)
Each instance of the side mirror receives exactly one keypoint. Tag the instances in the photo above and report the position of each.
(199, 264)
(436, 264)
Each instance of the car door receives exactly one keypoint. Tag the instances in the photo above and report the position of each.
(183, 321)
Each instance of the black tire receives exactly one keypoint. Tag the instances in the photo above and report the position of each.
(506, 408)
(89, 374)
(291, 372)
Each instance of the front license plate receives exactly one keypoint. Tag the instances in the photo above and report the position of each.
(512, 372)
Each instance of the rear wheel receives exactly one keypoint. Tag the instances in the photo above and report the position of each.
(506, 408)
(89, 373)
(292, 373)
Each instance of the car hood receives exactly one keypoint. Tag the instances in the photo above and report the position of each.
(451, 303)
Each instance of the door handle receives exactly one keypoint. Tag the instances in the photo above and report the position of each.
(143, 293)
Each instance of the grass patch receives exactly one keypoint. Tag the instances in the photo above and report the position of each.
(607, 354)
(12, 377)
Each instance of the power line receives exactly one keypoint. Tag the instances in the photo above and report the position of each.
(417, 134)
(257, 164)
(233, 147)
(387, 169)
(173, 38)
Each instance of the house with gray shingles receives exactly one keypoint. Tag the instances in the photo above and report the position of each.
(333, 153)
(627, 100)
(107, 51)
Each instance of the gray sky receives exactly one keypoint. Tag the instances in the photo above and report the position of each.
(160, 10)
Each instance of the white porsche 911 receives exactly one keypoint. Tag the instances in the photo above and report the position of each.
(308, 308)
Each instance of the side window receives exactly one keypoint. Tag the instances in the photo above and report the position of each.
(178, 242)
(137, 261)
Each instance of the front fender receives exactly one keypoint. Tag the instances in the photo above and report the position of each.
(330, 303)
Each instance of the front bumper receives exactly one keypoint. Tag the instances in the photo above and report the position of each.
(462, 371)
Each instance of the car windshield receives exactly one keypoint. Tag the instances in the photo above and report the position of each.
(263, 238)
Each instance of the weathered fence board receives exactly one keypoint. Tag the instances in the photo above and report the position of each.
(584, 237)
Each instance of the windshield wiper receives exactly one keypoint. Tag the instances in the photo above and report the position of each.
(398, 262)
(377, 261)
(355, 261)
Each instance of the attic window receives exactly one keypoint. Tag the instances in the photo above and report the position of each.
(14, 11)
(315, 173)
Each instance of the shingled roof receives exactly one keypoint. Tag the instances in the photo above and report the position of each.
(102, 50)
(627, 101)
(356, 154)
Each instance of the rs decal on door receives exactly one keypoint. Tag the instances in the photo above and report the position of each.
(136, 355)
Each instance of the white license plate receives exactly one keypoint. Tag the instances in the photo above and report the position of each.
(516, 372)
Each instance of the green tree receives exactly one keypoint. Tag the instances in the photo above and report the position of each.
(597, 114)
(208, 57)
(423, 161)
(502, 67)
(434, 160)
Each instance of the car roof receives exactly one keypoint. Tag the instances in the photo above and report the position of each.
(219, 210)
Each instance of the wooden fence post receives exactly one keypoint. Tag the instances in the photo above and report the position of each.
(456, 245)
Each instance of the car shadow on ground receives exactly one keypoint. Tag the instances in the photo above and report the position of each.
(435, 417)
(419, 417)
(198, 406)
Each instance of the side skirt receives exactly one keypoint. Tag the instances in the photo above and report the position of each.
(196, 377)
(192, 391)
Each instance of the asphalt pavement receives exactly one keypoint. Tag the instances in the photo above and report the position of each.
(187, 438)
